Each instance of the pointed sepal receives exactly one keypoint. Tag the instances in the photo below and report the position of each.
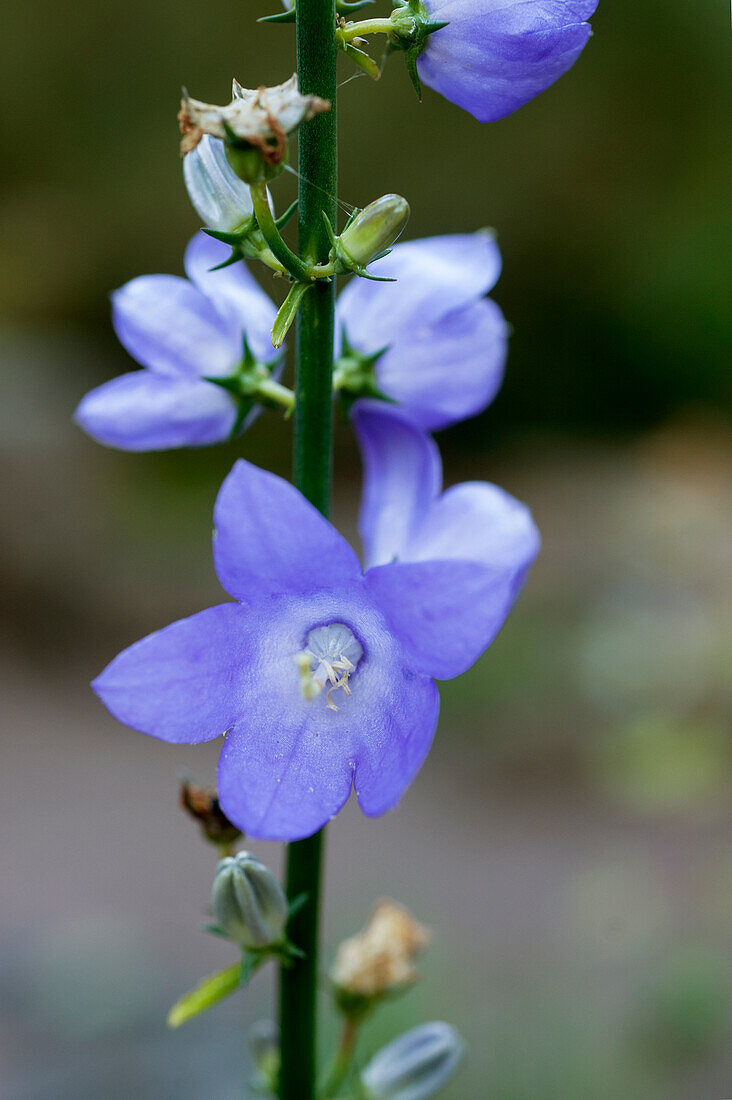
(285, 218)
(279, 17)
(410, 57)
(344, 7)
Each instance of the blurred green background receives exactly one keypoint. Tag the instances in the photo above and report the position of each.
(569, 838)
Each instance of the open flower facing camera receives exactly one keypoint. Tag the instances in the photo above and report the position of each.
(319, 677)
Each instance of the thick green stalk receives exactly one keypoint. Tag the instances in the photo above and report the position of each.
(312, 474)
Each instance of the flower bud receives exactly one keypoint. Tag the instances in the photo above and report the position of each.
(373, 230)
(249, 902)
(220, 198)
(414, 1066)
(380, 959)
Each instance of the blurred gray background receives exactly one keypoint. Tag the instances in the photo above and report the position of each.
(569, 838)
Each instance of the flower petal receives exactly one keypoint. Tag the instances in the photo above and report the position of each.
(402, 477)
(478, 522)
(494, 56)
(392, 756)
(146, 411)
(270, 539)
(288, 764)
(168, 325)
(235, 293)
(182, 684)
(220, 198)
(282, 780)
(444, 372)
(434, 277)
(444, 613)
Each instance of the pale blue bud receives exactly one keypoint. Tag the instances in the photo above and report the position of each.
(220, 198)
(249, 902)
(414, 1066)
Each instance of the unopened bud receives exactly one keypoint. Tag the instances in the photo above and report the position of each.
(416, 1065)
(220, 198)
(249, 902)
(373, 230)
(380, 959)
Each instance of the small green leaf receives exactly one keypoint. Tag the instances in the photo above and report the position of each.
(209, 992)
(288, 312)
(364, 61)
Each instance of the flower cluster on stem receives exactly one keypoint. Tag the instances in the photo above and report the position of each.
(320, 672)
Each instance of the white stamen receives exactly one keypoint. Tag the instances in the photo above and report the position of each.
(332, 654)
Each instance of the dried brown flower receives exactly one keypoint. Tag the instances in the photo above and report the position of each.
(380, 959)
(262, 117)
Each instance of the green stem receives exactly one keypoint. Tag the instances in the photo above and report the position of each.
(277, 394)
(301, 271)
(313, 444)
(365, 26)
(342, 1061)
(270, 232)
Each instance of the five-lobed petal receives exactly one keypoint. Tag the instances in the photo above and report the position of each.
(289, 760)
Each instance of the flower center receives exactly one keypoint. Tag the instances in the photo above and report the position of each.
(331, 658)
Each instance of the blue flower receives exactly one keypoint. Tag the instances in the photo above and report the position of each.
(496, 55)
(183, 332)
(444, 343)
(320, 677)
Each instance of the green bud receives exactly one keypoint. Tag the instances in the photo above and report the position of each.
(249, 902)
(372, 231)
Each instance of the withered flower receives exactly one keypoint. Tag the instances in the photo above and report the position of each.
(203, 805)
(379, 960)
(260, 117)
